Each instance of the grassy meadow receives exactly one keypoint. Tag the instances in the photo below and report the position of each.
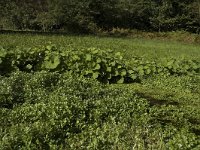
(130, 47)
(51, 108)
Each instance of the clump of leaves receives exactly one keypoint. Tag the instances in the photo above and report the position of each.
(71, 112)
(104, 65)
(6, 61)
(182, 66)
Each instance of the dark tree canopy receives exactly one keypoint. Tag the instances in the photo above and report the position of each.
(88, 16)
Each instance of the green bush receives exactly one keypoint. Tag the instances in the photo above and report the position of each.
(197, 39)
(119, 32)
(103, 65)
(45, 110)
(52, 111)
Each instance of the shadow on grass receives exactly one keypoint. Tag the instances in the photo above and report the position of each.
(40, 33)
(153, 101)
(163, 121)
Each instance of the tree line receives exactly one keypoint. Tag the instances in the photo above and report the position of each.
(88, 16)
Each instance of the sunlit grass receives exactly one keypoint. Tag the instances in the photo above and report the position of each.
(130, 47)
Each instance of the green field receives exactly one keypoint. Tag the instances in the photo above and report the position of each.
(57, 104)
(156, 49)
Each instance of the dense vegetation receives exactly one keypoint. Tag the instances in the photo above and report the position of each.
(63, 91)
(57, 92)
(92, 16)
(104, 66)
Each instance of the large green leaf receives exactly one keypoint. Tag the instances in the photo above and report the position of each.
(94, 51)
(130, 71)
(116, 73)
(49, 47)
(95, 75)
(118, 55)
(87, 72)
(133, 76)
(109, 69)
(148, 71)
(141, 72)
(76, 57)
(119, 66)
(120, 81)
(2, 52)
(98, 60)
(29, 66)
(88, 57)
(52, 63)
(113, 63)
(123, 72)
(97, 67)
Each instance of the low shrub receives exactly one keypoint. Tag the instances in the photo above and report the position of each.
(52, 111)
(103, 65)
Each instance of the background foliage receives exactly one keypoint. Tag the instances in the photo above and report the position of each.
(92, 16)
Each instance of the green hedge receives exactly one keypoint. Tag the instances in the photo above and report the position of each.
(52, 111)
(104, 65)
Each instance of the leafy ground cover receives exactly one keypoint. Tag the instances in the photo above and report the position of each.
(60, 95)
